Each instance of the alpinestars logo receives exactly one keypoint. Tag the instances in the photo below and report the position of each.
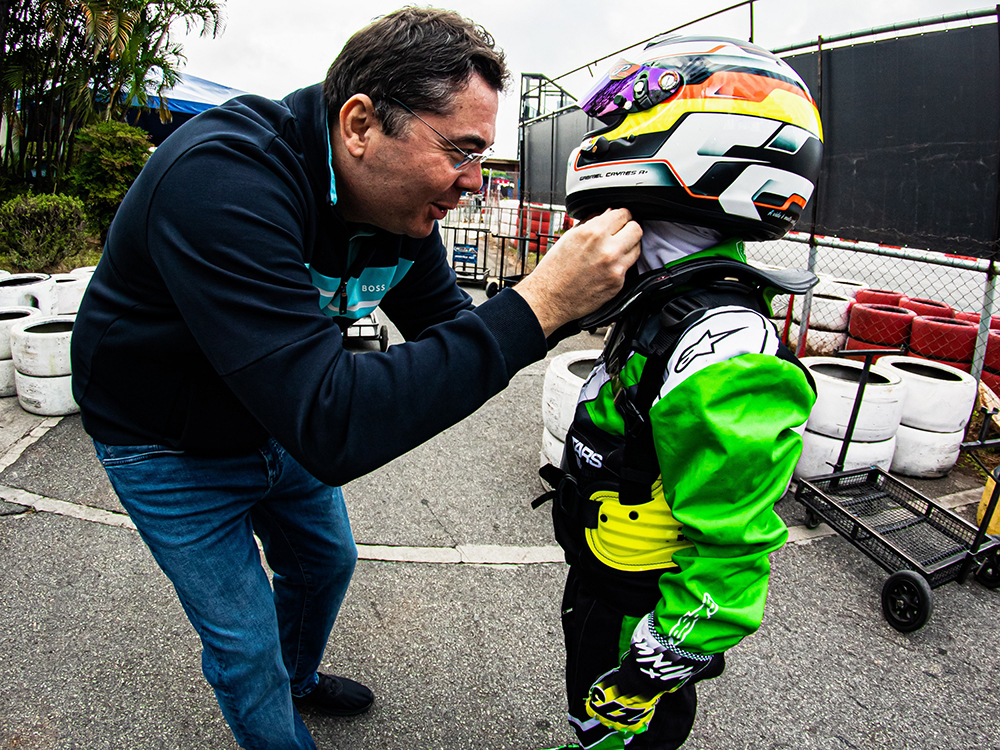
(685, 624)
(704, 345)
(587, 454)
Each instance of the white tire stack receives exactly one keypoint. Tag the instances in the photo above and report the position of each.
(873, 441)
(9, 317)
(40, 350)
(829, 314)
(818, 343)
(938, 404)
(564, 378)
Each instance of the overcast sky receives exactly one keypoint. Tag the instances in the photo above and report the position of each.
(273, 48)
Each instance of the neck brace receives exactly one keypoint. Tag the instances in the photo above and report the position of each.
(665, 241)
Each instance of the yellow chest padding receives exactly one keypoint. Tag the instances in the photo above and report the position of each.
(635, 537)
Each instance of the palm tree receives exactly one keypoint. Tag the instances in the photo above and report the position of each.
(138, 38)
(66, 63)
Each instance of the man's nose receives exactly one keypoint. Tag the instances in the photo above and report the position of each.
(470, 179)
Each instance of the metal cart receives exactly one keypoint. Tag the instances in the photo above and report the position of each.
(370, 328)
(921, 544)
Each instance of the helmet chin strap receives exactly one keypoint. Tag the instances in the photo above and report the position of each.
(667, 241)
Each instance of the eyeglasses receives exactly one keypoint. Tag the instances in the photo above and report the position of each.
(467, 157)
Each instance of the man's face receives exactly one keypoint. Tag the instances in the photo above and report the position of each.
(411, 181)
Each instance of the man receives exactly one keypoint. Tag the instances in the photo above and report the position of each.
(208, 359)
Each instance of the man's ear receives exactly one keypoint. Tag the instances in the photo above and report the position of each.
(358, 124)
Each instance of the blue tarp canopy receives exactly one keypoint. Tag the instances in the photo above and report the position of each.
(192, 95)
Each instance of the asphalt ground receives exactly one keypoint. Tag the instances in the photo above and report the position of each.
(453, 615)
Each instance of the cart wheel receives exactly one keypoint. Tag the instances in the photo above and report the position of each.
(906, 601)
(492, 289)
(989, 572)
(812, 519)
(383, 339)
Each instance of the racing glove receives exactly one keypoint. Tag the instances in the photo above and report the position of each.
(624, 698)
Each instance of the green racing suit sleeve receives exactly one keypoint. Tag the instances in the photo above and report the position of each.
(725, 439)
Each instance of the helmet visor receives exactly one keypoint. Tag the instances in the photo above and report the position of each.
(629, 88)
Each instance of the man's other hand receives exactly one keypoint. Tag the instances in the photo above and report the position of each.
(583, 270)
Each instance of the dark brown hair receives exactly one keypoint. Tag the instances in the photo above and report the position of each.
(420, 56)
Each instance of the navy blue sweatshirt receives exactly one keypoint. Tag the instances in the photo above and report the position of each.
(215, 317)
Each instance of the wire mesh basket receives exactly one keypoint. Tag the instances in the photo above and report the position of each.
(892, 523)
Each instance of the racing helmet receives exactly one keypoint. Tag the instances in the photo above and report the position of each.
(706, 130)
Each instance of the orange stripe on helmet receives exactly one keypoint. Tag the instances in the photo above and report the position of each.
(731, 84)
(794, 198)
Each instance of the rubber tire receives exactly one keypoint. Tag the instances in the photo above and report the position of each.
(820, 452)
(927, 307)
(779, 305)
(943, 339)
(812, 519)
(29, 290)
(991, 361)
(974, 317)
(836, 390)
(907, 601)
(992, 379)
(878, 297)
(939, 397)
(8, 386)
(561, 389)
(492, 289)
(827, 313)
(69, 291)
(924, 454)
(48, 397)
(884, 325)
(10, 317)
(552, 449)
(988, 573)
(833, 286)
(383, 339)
(818, 343)
(855, 345)
(822, 343)
(40, 345)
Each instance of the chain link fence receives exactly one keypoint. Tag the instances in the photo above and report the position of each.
(928, 305)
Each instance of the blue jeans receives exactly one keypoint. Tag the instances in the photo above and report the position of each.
(198, 515)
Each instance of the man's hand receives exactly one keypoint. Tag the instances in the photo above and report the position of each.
(583, 270)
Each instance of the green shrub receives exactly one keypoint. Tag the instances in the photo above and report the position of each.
(37, 232)
(110, 156)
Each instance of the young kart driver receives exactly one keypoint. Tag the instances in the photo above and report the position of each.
(685, 432)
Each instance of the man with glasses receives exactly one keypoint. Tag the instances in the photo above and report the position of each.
(208, 355)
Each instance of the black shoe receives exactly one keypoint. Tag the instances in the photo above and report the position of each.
(336, 696)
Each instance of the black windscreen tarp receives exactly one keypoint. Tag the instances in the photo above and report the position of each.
(547, 145)
(911, 140)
